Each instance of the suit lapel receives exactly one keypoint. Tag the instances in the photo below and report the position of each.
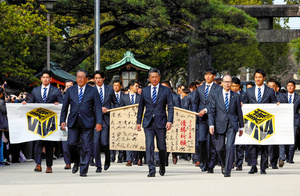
(252, 93)
(221, 99)
(159, 93)
(232, 97)
(40, 94)
(105, 94)
(265, 93)
(49, 93)
(295, 97)
(203, 91)
(137, 98)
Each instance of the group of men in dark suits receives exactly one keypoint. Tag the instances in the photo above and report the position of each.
(219, 119)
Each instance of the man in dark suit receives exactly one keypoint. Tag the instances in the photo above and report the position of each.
(85, 116)
(274, 149)
(225, 118)
(259, 94)
(45, 94)
(155, 122)
(117, 86)
(239, 149)
(130, 99)
(206, 150)
(294, 98)
(101, 139)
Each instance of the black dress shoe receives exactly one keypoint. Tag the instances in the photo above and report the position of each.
(227, 175)
(119, 161)
(223, 169)
(253, 170)
(151, 175)
(157, 163)
(99, 170)
(92, 163)
(240, 168)
(263, 172)
(162, 171)
(210, 171)
(167, 163)
(203, 168)
(274, 167)
(106, 166)
(83, 175)
(112, 159)
(291, 162)
(75, 168)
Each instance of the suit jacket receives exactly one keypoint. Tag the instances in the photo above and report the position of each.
(176, 100)
(296, 103)
(90, 107)
(218, 116)
(281, 97)
(126, 99)
(199, 102)
(156, 111)
(54, 95)
(242, 95)
(109, 101)
(268, 96)
(188, 103)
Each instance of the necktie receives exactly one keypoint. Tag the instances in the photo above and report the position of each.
(206, 92)
(101, 95)
(154, 95)
(259, 95)
(80, 95)
(118, 98)
(226, 101)
(132, 99)
(45, 94)
(290, 99)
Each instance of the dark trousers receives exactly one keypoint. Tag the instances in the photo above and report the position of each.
(294, 146)
(49, 152)
(160, 134)
(202, 135)
(80, 139)
(66, 152)
(274, 154)
(239, 155)
(253, 154)
(100, 143)
(226, 155)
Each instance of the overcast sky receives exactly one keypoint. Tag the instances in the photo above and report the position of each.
(294, 22)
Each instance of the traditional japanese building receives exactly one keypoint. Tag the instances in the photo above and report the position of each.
(128, 68)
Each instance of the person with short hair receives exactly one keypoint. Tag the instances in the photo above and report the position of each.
(201, 103)
(45, 93)
(294, 98)
(259, 94)
(84, 118)
(225, 118)
(155, 98)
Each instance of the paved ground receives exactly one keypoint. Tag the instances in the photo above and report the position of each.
(181, 179)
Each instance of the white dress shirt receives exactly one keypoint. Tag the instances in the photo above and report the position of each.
(157, 87)
(103, 92)
(262, 89)
(293, 95)
(83, 89)
(47, 91)
(134, 97)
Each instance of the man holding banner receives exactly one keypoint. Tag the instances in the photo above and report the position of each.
(155, 122)
(85, 116)
(44, 94)
(260, 94)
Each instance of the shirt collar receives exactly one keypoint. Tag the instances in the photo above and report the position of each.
(47, 87)
(156, 86)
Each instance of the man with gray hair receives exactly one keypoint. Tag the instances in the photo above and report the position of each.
(225, 118)
(85, 116)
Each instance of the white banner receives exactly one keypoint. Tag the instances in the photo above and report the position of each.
(267, 124)
(33, 121)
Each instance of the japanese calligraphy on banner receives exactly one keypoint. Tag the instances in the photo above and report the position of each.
(124, 135)
(267, 124)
